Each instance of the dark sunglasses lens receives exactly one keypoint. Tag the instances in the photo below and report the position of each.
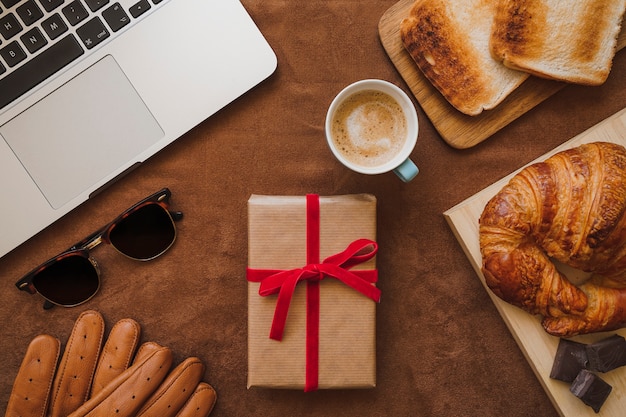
(69, 281)
(145, 233)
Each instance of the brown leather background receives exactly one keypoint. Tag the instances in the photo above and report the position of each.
(442, 348)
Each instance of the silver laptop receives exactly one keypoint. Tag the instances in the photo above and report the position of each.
(91, 88)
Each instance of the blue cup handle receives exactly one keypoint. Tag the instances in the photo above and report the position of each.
(407, 170)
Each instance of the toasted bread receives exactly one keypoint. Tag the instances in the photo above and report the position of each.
(572, 41)
(449, 42)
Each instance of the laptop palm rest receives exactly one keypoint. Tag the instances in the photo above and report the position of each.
(100, 104)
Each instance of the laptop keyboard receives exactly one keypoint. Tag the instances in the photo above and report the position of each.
(40, 37)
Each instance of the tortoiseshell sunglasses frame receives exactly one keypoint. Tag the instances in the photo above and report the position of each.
(83, 247)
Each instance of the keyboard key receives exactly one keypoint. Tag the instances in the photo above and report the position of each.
(33, 40)
(92, 33)
(2, 69)
(13, 54)
(9, 26)
(75, 12)
(39, 68)
(54, 26)
(29, 12)
(139, 8)
(116, 17)
(10, 3)
(50, 5)
(96, 5)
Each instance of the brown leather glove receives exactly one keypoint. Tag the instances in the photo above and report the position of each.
(95, 380)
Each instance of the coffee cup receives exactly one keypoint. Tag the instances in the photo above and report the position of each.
(371, 128)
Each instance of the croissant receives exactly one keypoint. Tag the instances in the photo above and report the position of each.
(569, 208)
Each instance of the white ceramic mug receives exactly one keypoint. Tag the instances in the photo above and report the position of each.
(398, 161)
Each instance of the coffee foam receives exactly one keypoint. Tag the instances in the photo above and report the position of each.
(369, 128)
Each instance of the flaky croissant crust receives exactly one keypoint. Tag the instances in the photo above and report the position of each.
(569, 208)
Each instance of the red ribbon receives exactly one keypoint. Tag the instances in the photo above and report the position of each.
(335, 266)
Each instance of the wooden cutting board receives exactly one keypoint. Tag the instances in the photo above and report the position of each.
(538, 346)
(457, 129)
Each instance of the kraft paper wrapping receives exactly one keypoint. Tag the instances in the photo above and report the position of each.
(347, 331)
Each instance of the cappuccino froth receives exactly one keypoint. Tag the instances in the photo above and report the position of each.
(369, 128)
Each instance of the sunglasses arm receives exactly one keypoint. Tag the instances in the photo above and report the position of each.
(30, 288)
(24, 285)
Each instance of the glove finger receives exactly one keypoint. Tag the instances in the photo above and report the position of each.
(174, 392)
(75, 373)
(116, 354)
(146, 350)
(123, 396)
(201, 402)
(31, 388)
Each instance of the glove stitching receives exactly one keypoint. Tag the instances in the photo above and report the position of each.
(115, 393)
(95, 363)
(166, 388)
(129, 355)
(135, 338)
(202, 386)
(51, 377)
(112, 344)
(65, 362)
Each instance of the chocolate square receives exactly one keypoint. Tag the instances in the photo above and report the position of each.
(607, 354)
(591, 389)
(570, 359)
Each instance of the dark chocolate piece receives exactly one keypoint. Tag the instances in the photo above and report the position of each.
(591, 389)
(570, 358)
(607, 354)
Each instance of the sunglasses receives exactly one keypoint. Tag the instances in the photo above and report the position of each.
(143, 232)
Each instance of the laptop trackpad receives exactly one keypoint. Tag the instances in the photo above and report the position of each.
(94, 125)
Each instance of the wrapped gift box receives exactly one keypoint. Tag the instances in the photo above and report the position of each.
(278, 240)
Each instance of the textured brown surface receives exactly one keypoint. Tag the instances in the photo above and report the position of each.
(442, 348)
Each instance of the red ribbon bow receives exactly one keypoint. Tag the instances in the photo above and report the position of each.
(336, 266)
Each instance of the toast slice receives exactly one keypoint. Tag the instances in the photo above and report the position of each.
(449, 42)
(572, 41)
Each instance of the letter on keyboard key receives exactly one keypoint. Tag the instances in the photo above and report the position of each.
(39, 68)
(92, 32)
(29, 12)
(54, 26)
(33, 40)
(13, 54)
(9, 26)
